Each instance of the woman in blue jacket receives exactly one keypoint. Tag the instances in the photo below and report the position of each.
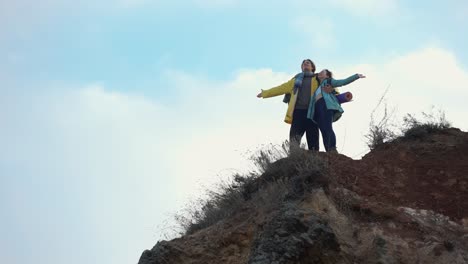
(324, 108)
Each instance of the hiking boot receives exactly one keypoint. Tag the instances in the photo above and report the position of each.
(334, 151)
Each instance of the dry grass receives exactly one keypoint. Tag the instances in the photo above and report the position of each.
(221, 202)
(381, 129)
(384, 129)
(279, 175)
(431, 122)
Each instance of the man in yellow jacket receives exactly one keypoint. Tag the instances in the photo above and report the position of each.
(300, 88)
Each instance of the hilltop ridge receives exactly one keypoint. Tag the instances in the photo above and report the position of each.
(404, 202)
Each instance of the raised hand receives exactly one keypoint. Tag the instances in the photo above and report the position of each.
(259, 95)
(361, 75)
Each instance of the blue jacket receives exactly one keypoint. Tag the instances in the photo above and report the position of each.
(330, 98)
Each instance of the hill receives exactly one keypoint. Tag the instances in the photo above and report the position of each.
(404, 202)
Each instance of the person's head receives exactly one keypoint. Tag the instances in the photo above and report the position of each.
(308, 66)
(324, 74)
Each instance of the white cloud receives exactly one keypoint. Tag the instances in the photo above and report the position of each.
(418, 80)
(98, 153)
(123, 160)
(431, 67)
(228, 119)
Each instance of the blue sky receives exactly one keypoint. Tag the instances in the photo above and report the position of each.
(113, 115)
(131, 44)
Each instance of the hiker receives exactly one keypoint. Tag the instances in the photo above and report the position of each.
(324, 108)
(300, 89)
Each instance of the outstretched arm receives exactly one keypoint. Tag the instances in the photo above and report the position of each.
(284, 88)
(350, 79)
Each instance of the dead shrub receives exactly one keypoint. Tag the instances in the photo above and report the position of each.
(381, 130)
(280, 175)
(414, 128)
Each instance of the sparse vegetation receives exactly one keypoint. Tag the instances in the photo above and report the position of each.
(385, 130)
(221, 202)
(432, 122)
(279, 175)
(264, 157)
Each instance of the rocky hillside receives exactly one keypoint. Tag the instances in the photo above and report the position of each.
(404, 202)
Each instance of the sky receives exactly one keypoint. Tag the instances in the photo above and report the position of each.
(115, 115)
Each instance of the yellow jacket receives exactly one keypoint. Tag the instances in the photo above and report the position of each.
(288, 88)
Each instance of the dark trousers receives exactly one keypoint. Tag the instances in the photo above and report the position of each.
(300, 125)
(324, 119)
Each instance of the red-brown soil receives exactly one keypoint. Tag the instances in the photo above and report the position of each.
(427, 173)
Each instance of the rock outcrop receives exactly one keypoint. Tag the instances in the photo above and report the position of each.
(404, 202)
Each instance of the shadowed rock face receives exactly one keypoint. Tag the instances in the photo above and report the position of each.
(404, 202)
(291, 236)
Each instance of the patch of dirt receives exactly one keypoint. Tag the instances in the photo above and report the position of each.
(430, 173)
